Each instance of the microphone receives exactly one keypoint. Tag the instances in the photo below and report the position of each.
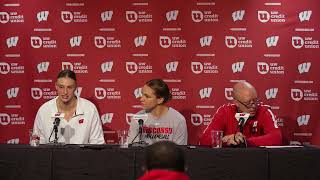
(140, 118)
(242, 119)
(55, 127)
(140, 122)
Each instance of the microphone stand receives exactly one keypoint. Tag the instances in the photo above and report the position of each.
(140, 143)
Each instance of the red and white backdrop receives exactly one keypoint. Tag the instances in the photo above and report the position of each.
(200, 48)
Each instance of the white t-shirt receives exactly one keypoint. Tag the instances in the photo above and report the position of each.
(83, 128)
(171, 126)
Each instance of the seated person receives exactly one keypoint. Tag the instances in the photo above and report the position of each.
(162, 122)
(259, 130)
(79, 119)
(164, 160)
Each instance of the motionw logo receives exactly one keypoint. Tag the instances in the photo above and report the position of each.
(66, 16)
(138, 93)
(4, 17)
(12, 92)
(197, 16)
(205, 41)
(43, 67)
(13, 141)
(272, 41)
(303, 120)
(172, 15)
(196, 119)
(172, 66)
(75, 41)
(263, 16)
(304, 67)
(297, 42)
(131, 67)
(36, 93)
(42, 16)
(140, 41)
(262, 67)
(305, 15)
(228, 93)
(36, 42)
(106, 16)
(106, 66)
(4, 68)
(237, 67)
(296, 94)
(107, 118)
(164, 41)
(100, 93)
(12, 41)
(271, 93)
(196, 67)
(238, 15)
(4, 119)
(131, 16)
(230, 41)
(205, 92)
(100, 42)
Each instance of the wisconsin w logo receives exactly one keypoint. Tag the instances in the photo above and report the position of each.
(106, 16)
(138, 92)
(12, 92)
(107, 118)
(205, 92)
(303, 120)
(42, 16)
(140, 41)
(106, 66)
(172, 15)
(75, 41)
(305, 15)
(271, 93)
(205, 41)
(272, 41)
(172, 66)
(12, 41)
(238, 15)
(13, 141)
(43, 67)
(304, 67)
(237, 67)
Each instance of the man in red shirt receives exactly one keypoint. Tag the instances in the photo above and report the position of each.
(259, 130)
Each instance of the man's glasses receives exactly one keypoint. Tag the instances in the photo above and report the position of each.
(255, 102)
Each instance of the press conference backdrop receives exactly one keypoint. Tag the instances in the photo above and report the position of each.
(200, 48)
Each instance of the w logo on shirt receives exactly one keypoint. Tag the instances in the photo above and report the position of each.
(42, 16)
(272, 41)
(304, 67)
(271, 93)
(205, 41)
(205, 92)
(197, 16)
(196, 67)
(297, 42)
(164, 41)
(43, 67)
(12, 41)
(237, 67)
(131, 67)
(238, 15)
(305, 15)
(140, 41)
(172, 66)
(230, 41)
(12, 92)
(106, 16)
(75, 41)
(66, 16)
(303, 120)
(100, 93)
(172, 15)
(106, 66)
(138, 93)
(263, 16)
(296, 94)
(107, 118)
(131, 16)
(262, 67)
